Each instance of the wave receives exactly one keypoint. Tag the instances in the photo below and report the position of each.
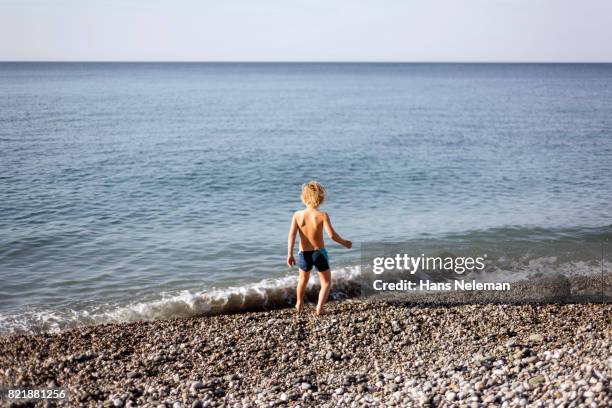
(348, 282)
(265, 294)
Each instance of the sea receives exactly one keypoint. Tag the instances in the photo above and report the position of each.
(139, 191)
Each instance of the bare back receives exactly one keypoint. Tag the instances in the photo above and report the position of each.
(310, 223)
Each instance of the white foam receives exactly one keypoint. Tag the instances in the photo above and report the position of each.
(273, 292)
(267, 293)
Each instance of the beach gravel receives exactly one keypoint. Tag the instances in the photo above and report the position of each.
(360, 354)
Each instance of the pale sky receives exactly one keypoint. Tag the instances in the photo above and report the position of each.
(307, 30)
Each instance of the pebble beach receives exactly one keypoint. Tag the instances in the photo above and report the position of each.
(362, 353)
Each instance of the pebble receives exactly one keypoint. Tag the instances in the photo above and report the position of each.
(133, 374)
(536, 380)
(197, 385)
(332, 356)
(488, 399)
(536, 337)
(270, 358)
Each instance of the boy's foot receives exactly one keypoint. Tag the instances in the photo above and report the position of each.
(298, 307)
(320, 312)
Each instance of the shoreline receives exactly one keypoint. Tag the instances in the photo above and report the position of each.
(363, 352)
(442, 291)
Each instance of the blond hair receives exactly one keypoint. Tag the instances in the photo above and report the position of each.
(313, 194)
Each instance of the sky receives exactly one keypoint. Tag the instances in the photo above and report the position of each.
(307, 30)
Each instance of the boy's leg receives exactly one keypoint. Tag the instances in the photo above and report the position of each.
(301, 289)
(325, 278)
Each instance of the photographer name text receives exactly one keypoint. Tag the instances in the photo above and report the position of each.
(426, 285)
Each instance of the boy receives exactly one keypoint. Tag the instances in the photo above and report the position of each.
(310, 222)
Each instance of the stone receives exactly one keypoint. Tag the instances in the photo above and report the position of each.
(536, 380)
(133, 374)
(535, 337)
(197, 385)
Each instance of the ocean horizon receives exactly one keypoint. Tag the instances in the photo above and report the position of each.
(148, 190)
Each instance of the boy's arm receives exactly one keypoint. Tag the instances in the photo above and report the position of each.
(291, 241)
(333, 234)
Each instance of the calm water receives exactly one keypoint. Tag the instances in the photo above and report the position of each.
(152, 190)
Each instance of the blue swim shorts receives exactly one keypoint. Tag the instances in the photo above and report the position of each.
(318, 258)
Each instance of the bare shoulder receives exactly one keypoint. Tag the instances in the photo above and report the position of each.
(298, 216)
